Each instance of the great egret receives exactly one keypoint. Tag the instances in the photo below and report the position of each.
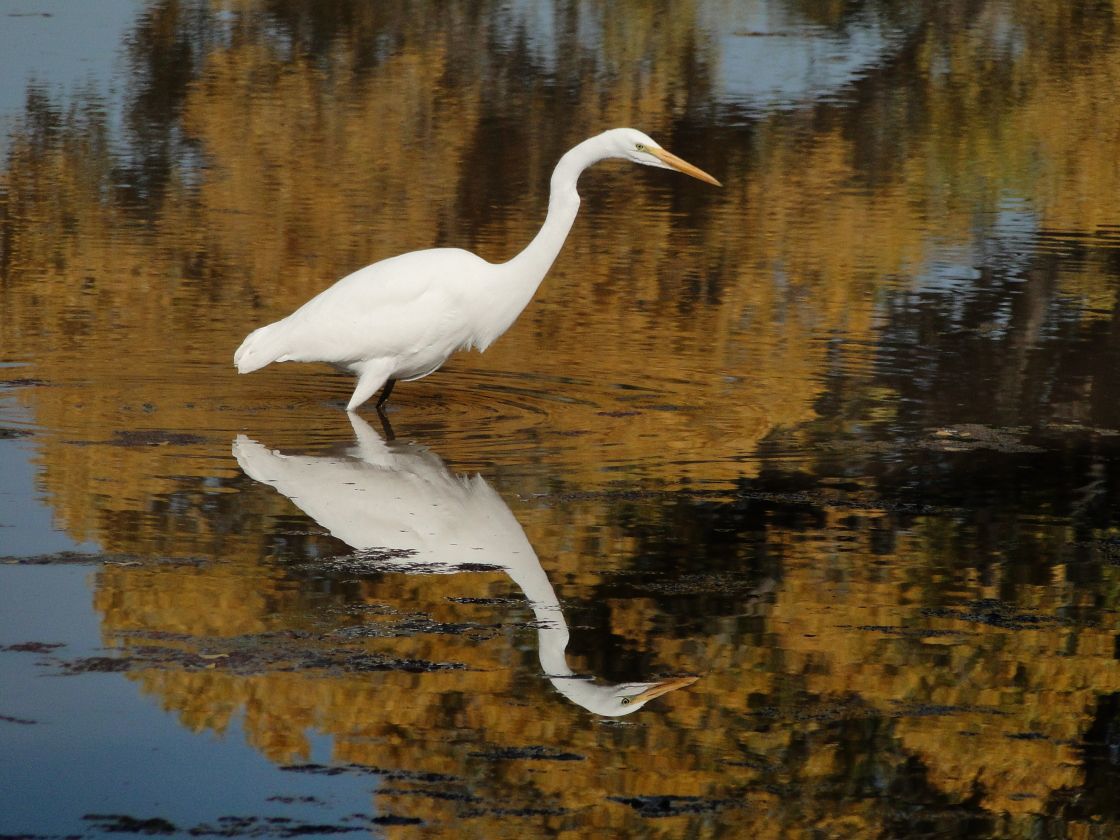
(401, 318)
(402, 496)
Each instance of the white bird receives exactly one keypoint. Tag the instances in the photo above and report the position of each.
(402, 317)
(402, 497)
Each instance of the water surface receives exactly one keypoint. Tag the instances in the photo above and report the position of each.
(841, 441)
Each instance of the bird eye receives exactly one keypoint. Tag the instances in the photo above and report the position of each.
(641, 147)
(626, 700)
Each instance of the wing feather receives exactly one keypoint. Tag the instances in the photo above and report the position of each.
(406, 306)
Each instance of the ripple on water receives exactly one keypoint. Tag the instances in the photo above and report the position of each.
(583, 431)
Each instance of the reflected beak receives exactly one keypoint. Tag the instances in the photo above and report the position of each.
(657, 689)
(671, 160)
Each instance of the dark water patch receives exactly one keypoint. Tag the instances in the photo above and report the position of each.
(236, 826)
(126, 824)
(474, 567)
(21, 721)
(696, 584)
(1107, 548)
(515, 812)
(820, 711)
(32, 647)
(389, 560)
(326, 769)
(255, 655)
(906, 709)
(967, 437)
(811, 496)
(156, 635)
(364, 609)
(370, 770)
(673, 806)
(77, 558)
(98, 664)
(368, 555)
(1099, 749)
(1102, 739)
(903, 632)
(531, 753)
(67, 558)
(270, 827)
(296, 800)
(144, 437)
(395, 819)
(377, 662)
(752, 760)
(22, 382)
(996, 614)
(430, 793)
(415, 626)
(8, 433)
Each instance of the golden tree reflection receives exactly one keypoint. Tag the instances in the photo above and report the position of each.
(678, 336)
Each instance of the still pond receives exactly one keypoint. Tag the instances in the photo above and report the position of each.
(787, 509)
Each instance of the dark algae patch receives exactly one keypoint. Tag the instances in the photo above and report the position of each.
(415, 625)
(994, 613)
(394, 819)
(255, 660)
(672, 806)
(531, 753)
(32, 647)
(237, 826)
(125, 824)
(361, 769)
(97, 664)
(78, 558)
(144, 437)
(23, 721)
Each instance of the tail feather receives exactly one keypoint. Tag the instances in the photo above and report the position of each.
(261, 347)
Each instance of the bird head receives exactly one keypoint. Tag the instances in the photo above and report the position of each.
(633, 145)
(618, 699)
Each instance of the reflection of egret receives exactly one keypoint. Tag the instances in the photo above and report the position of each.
(403, 497)
(402, 317)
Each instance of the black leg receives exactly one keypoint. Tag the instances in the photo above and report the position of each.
(390, 435)
(385, 392)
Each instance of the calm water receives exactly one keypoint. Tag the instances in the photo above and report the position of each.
(828, 460)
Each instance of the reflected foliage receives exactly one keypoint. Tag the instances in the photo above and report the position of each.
(842, 438)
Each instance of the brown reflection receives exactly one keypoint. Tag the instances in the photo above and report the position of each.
(276, 145)
(979, 693)
(726, 327)
(401, 501)
(877, 674)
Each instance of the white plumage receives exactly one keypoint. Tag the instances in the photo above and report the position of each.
(400, 318)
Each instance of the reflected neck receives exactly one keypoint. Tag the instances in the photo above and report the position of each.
(552, 629)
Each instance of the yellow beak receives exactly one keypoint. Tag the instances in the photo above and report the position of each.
(670, 159)
(668, 685)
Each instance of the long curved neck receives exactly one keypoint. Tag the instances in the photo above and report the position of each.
(518, 279)
(563, 204)
(552, 629)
